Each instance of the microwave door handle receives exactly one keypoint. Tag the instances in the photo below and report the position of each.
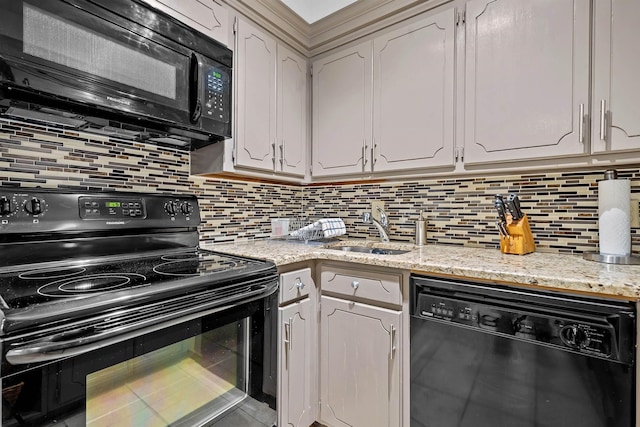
(195, 92)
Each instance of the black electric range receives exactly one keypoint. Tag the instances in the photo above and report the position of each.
(97, 286)
(72, 256)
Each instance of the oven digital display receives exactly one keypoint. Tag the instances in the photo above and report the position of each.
(108, 208)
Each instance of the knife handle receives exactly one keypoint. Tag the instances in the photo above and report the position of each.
(512, 208)
(500, 207)
(516, 204)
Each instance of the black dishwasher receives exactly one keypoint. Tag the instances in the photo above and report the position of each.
(497, 356)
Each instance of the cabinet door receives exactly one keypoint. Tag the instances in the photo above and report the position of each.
(295, 368)
(616, 99)
(413, 95)
(527, 79)
(256, 98)
(292, 112)
(342, 112)
(360, 364)
(206, 16)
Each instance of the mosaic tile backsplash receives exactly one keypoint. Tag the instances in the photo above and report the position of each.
(562, 207)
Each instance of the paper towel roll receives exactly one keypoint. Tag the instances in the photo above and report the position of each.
(614, 225)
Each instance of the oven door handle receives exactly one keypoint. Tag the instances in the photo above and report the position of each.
(83, 340)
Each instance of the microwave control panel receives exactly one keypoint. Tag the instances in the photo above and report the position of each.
(217, 92)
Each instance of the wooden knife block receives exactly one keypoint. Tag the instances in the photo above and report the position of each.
(520, 240)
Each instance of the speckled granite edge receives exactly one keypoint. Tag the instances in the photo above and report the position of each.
(552, 271)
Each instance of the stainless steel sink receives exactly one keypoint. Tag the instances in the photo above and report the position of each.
(366, 250)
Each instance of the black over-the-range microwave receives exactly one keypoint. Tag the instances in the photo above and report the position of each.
(116, 67)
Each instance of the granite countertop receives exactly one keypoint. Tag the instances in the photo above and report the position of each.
(553, 271)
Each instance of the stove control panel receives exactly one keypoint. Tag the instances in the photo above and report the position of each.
(29, 211)
(111, 207)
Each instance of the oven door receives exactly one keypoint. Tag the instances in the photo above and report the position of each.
(186, 373)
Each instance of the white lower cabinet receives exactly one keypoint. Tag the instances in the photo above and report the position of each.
(360, 364)
(340, 357)
(297, 385)
(361, 355)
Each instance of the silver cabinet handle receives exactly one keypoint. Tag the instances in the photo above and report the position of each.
(581, 129)
(355, 284)
(373, 153)
(392, 347)
(364, 155)
(290, 333)
(273, 158)
(603, 116)
(287, 339)
(282, 155)
(299, 284)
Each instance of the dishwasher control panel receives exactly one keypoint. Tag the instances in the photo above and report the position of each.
(594, 335)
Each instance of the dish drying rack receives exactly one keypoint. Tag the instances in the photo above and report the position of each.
(306, 235)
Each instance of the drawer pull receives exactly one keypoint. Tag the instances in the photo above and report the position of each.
(299, 284)
(355, 284)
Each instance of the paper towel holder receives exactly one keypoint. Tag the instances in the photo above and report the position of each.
(612, 259)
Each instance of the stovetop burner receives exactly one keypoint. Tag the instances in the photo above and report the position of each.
(90, 284)
(194, 266)
(53, 273)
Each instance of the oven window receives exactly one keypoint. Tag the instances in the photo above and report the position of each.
(200, 375)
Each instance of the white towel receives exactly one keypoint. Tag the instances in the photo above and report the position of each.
(330, 227)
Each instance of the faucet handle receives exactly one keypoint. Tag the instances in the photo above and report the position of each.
(383, 217)
(366, 217)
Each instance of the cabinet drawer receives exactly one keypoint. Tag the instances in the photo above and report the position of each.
(363, 284)
(295, 284)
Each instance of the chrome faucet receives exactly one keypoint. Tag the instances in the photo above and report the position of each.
(382, 225)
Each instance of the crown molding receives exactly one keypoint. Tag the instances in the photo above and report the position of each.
(278, 19)
(355, 21)
(362, 19)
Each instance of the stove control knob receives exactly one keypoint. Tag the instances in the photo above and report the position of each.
(186, 208)
(5, 206)
(170, 207)
(34, 206)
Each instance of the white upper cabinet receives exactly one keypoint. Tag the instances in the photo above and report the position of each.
(206, 16)
(413, 95)
(616, 57)
(292, 113)
(527, 79)
(255, 137)
(342, 112)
